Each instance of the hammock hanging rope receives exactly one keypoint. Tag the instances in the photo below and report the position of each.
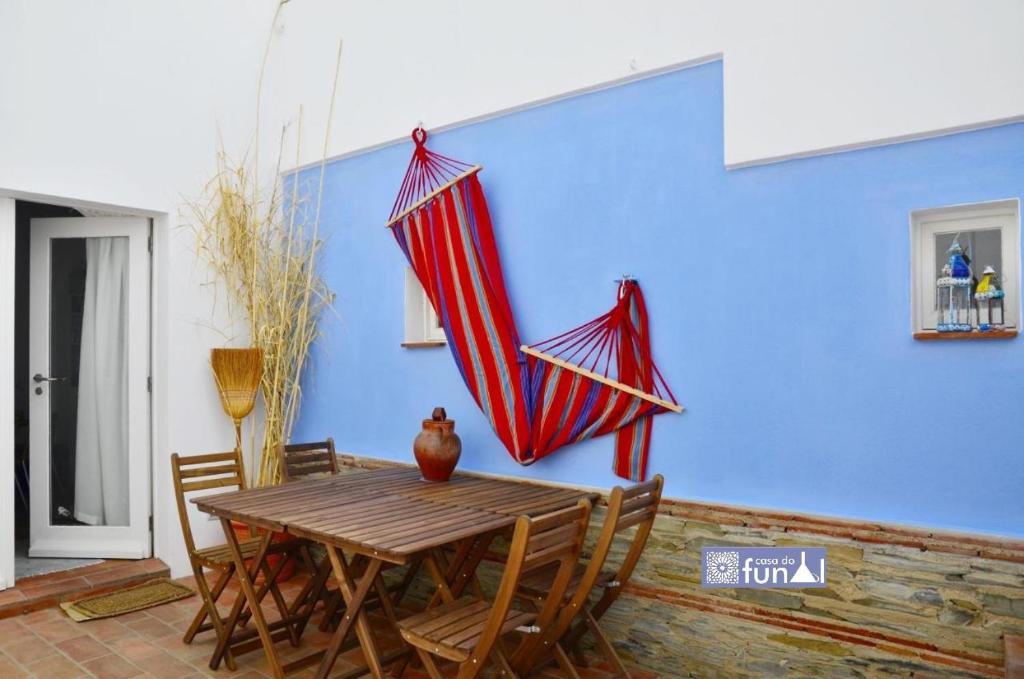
(593, 380)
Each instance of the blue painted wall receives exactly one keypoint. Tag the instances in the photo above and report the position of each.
(778, 296)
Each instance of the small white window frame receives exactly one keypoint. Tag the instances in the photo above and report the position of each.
(925, 224)
(421, 324)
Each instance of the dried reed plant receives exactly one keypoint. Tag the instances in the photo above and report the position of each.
(261, 243)
(265, 257)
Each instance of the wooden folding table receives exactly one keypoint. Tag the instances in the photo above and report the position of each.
(385, 516)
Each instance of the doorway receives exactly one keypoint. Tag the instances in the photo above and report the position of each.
(81, 400)
(25, 566)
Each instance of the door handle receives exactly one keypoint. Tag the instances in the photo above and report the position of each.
(37, 378)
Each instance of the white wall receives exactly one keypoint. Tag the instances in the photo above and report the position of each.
(120, 102)
(7, 316)
(800, 75)
(806, 75)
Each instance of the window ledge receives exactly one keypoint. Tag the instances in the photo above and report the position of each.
(991, 334)
(425, 344)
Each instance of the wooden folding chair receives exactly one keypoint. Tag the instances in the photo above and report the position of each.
(204, 472)
(297, 461)
(302, 460)
(470, 630)
(627, 508)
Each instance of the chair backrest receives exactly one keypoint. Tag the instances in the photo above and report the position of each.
(297, 460)
(636, 506)
(202, 472)
(554, 538)
(627, 507)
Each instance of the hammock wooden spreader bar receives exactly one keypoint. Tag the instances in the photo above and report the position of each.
(430, 196)
(596, 379)
(667, 405)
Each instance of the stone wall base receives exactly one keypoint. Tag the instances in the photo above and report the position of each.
(900, 602)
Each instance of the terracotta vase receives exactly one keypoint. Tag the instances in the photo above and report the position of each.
(437, 447)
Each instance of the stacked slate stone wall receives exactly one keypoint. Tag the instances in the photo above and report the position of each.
(899, 602)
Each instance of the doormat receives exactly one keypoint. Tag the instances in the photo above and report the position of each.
(135, 598)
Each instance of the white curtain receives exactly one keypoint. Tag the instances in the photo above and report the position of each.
(101, 455)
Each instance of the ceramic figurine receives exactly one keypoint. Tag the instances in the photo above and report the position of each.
(988, 296)
(953, 292)
(958, 262)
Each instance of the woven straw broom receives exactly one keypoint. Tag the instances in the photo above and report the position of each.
(238, 373)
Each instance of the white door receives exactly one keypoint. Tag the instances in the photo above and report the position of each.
(89, 402)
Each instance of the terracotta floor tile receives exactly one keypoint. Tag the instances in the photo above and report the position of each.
(149, 643)
(187, 652)
(165, 667)
(112, 667)
(106, 629)
(151, 628)
(62, 587)
(155, 566)
(58, 630)
(82, 648)
(8, 668)
(201, 665)
(134, 616)
(136, 649)
(28, 649)
(11, 628)
(48, 578)
(10, 597)
(56, 667)
(42, 617)
(115, 574)
(173, 614)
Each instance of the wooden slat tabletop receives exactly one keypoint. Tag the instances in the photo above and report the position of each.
(390, 514)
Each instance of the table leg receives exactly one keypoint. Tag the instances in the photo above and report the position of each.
(311, 593)
(354, 597)
(466, 572)
(407, 580)
(245, 581)
(332, 606)
(462, 569)
(433, 561)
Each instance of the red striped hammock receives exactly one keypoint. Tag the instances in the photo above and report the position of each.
(593, 380)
